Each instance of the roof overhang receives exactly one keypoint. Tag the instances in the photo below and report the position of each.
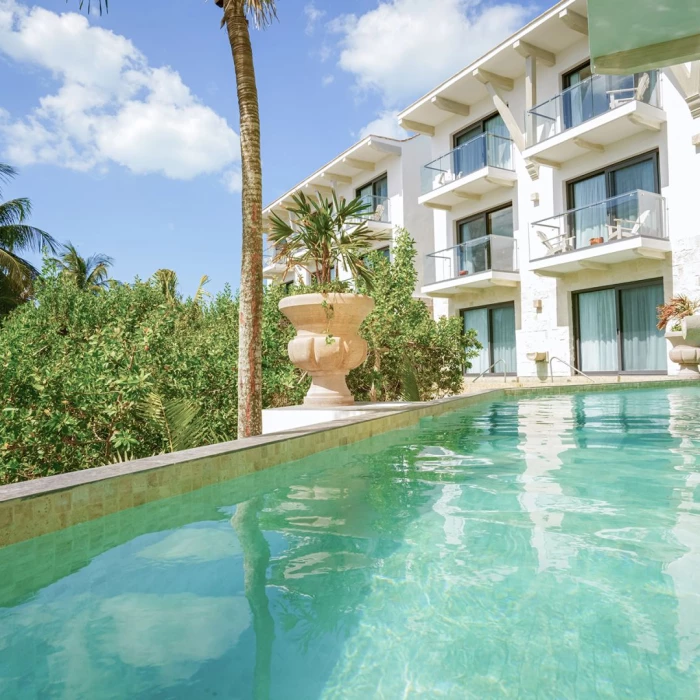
(557, 29)
(363, 157)
(630, 36)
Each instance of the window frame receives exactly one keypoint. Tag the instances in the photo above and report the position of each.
(489, 308)
(608, 171)
(575, 69)
(652, 281)
(473, 125)
(372, 183)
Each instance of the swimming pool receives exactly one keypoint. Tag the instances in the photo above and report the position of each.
(533, 547)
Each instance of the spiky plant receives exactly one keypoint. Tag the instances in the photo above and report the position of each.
(325, 233)
(17, 236)
(89, 274)
(675, 309)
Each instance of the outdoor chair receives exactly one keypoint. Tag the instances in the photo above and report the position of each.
(556, 244)
(625, 95)
(627, 228)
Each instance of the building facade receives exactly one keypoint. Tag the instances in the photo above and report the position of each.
(563, 202)
(386, 174)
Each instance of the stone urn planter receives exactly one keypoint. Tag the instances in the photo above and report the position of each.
(685, 347)
(327, 344)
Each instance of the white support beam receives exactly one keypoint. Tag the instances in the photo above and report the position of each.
(526, 50)
(502, 106)
(450, 106)
(388, 148)
(319, 189)
(503, 283)
(575, 21)
(337, 177)
(499, 81)
(410, 125)
(358, 164)
(468, 196)
(696, 140)
(651, 253)
(499, 181)
(533, 169)
(549, 273)
(688, 80)
(592, 265)
(440, 207)
(644, 123)
(589, 146)
(545, 161)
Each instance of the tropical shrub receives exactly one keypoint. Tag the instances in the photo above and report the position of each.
(411, 356)
(674, 310)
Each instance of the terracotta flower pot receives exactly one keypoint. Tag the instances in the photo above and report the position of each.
(596, 241)
(327, 344)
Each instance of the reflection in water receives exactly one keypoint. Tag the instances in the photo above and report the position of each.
(256, 558)
(541, 547)
(685, 570)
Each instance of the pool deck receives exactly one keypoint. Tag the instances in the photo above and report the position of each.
(40, 506)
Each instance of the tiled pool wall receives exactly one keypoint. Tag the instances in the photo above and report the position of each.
(33, 508)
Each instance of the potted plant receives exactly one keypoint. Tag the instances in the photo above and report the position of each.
(684, 333)
(322, 235)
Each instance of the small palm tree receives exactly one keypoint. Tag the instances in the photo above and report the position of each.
(324, 233)
(16, 236)
(89, 274)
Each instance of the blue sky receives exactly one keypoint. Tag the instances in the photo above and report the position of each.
(124, 127)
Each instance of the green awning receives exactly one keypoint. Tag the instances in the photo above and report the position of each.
(628, 36)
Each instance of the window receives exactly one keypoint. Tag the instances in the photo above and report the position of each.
(478, 253)
(588, 195)
(473, 153)
(495, 330)
(616, 329)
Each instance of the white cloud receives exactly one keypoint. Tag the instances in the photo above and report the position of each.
(405, 47)
(386, 124)
(327, 80)
(232, 180)
(313, 16)
(110, 106)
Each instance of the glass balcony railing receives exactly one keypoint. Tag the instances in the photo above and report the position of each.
(268, 257)
(636, 214)
(588, 99)
(470, 258)
(377, 209)
(486, 149)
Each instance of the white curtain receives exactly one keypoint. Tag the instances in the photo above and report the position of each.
(503, 323)
(589, 222)
(498, 145)
(643, 346)
(478, 319)
(598, 331)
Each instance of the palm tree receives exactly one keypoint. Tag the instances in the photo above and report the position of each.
(16, 236)
(90, 274)
(236, 16)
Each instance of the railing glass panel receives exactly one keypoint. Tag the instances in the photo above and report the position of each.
(630, 215)
(486, 149)
(588, 99)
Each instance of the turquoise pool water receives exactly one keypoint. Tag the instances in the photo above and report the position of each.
(536, 548)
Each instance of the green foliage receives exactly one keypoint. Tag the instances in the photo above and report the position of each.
(323, 234)
(78, 371)
(411, 356)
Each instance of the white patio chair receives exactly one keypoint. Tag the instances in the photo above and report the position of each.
(625, 95)
(378, 213)
(556, 244)
(627, 228)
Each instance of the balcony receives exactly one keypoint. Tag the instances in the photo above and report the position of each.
(593, 114)
(469, 171)
(378, 214)
(272, 269)
(617, 230)
(489, 261)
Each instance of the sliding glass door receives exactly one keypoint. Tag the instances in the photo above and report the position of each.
(495, 330)
(617, 329)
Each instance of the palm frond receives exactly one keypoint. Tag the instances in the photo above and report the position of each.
(91, 274)
(201, 293)
(167, 281)
(181, 422)
(90, 3)
(409, 381)
(7, 173)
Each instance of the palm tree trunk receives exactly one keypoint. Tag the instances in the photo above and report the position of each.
(251, 292)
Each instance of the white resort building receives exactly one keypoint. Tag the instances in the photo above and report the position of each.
(386, 174)
(561, 203)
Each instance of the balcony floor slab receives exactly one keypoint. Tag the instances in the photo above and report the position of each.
(472, 283)
(469, 187)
